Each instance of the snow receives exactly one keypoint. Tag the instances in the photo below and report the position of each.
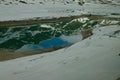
(102, 30)
(46, 26)
(16, 12)
(50, 10)
(72, 38)
(95, 58)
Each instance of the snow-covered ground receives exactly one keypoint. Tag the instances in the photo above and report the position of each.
(95, 58)
(49, 9)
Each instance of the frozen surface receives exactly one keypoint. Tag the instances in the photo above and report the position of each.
(19, 11)
(95, 58)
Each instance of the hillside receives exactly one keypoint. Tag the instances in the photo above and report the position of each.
(46, 9)
(88, 31)
(95, 58)
(17, 2)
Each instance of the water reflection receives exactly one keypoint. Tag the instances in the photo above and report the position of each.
(32, 37)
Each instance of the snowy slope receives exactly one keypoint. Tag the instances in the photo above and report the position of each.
(17, 10)
(8, 2)
(104, 1)
(95, 58)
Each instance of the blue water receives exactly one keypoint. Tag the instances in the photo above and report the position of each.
(50, 43)
(54, 42)
(38, 36)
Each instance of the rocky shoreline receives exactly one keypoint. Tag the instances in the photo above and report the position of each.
(38, 20)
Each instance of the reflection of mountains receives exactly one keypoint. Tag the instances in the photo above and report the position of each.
(16, 37)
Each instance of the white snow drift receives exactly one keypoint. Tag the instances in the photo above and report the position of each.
(15, 10)
(95, 58)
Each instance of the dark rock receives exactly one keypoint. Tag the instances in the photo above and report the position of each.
(41, 2)
(119, 54)
(118, 78)
(64, 63)
(10, 2)
(86, 33)
(23, 2)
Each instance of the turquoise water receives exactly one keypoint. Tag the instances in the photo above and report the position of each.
(50, 43)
